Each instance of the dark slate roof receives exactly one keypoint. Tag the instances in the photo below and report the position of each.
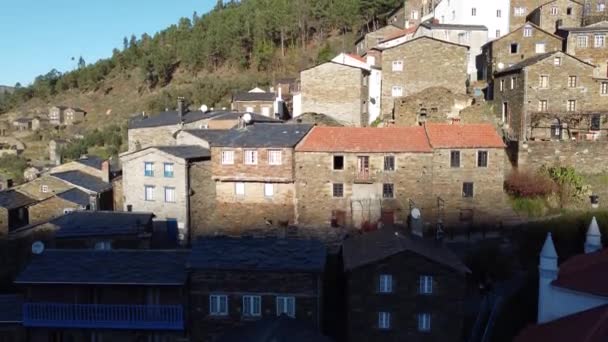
(246, 96)
(208, 135)
(83, 180)
(533, 60)
(170, 118)
(375, 246)
(101, 223)
(254, 117)
(264, 135)
(275, 329)
(185, 151)
(76, 196)
(114, 267)
(258, 254)
(10, 308)
(11, 199)
(431, 25)
(92, 161)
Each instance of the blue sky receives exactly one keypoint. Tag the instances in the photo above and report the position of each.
(39, 35)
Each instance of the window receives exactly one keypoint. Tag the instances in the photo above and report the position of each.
(414, 15)
(527, 31)
(287, 306)
(266, 111)
(103, 245)
(513, 82)
(227, 157)
(498, 14)
(604, 88)
(338, 190)
(543, 106)
(455, 158)
(397, 65)
(519, 11)
(425, 284)
(424, 322)
(596, 122)
(540, 48)
(389, 163)
(149, 169)
(268, 190)
(149, 192)
(502, 85)
(252, 306)
(275, 157)
(218, 305)
(554, 10)
(571, 105)
(556, 130)
(251, 157)
(388, 190)
(249, 109)
(514, 48)
(544, 81)
(338, 162)
(572, 81)
(569, 11)
(453, 15)
(397, 91)
(385, 283)
(169, 195)
(384, 320)
(44, 188)
(582, 41)
(482, 158)
(600, 41)
(239, 189)
(601, 6)
(557, 61)
(473, 11)
(168, 168)
(467, 189)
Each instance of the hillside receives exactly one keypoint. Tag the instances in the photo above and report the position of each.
(5, 89)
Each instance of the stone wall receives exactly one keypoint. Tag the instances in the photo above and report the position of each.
(261, 171)
(257, 106)
(509, 103)
(518, 20)
(435, 104)
(590, 53)
(427, 63)
(153, 136)
(589, 157)
(3, 221)
(34, 188)
(49, 209)
(118, 200)
(594, 15)
(544, 17)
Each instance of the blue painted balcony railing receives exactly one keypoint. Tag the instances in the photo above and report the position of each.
(92, 316)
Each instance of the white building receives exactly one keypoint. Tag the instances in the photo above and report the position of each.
(578, 284)
(493, 14)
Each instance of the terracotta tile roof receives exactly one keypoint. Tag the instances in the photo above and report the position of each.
(585, 273)
(365, 139)
(400, 34)
(585, 326)
(357, 57)
(463, 136)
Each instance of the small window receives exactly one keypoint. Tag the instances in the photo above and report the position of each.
(397, 91)
(251, 157)
(600, 41)
(249, 109)
(540, 48)
(268, 190)
(389, 163)
(527, 31)
(596, 122)
(388, 191)
(227, 157)
(514, 48)
(384, 320)
(338, 190)
(502, 85)
(498, 14)
(239, 189)
(557, 61)
(513, 83)
(168, 170)
(385, 283)
(287, 306)
(218, 305)
(467, 189)
(149, 169)
(543, 106)
(604, 88)
(169, 195)
(582, 41)
(497, 33)
(338, 162)
(103, 245)
(572, 81)
(397, 65)
(424, 322)
(482, 158)
(252, 306)
(425, 284)
(44, 188)
(554, 10)
(544, 81)
(149, 192)
(455, 158)
(569, 11)
(556, 130)
(571, 105)
(275, 157)
(473, 12)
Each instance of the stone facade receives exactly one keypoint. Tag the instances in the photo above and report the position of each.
(44, 187)
(118, 195)
(445, 304)
(337, 90)
(559, 13)
(50, 208)
(581, 42)
(372, 39)
(589, 157)
(151, 136)
(520, 9)
(265, 108)
(424, 62)
(595, 11)
(74, 116)
(55, 147)
(435, 104)
(56, 115)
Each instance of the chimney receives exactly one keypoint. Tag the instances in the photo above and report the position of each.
(105, 171)
(180, 108)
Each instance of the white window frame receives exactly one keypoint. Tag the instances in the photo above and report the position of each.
(554, 10)
(502, 85)
(543, 105)
(540, 47)
(250, 157)
(275, 157)
(268, 190)
(170, 194)
(286, 305)
(239, 189)
(44, 188)
(149, 193)
(425, 285)
(557, 61)
(385, 283)
(397, 66)
(527, 31)
(513, 81)
(487, 159)
(149, 166)
(252, 306)
(168, 168)
(571, 106)
(228, 157)
(543, 83)
(572, 84)
(397, 91)
(266, 111)
(599, 41)
(424, 322)
(519, 11)
(215, 305)
(248, 109)
(582, 41)
(604, 88)
(498, 13)
(384, 320)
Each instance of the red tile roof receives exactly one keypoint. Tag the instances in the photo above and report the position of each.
(585, 273)
(400, 33)
(365, 139)
(585, 326)
(357, 57)
(463, 136)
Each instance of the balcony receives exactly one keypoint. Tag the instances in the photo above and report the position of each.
(94, 316)
(363, 176)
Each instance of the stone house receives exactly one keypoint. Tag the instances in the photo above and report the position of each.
(238, 280)
(157, 179)
(253, 171)
(553, 15)
(412, 13)
(491, 14)
(522, 43)
(371, 39)
(255, 102)
(74, 116)
(91, 165)
(99, 191)
(13, 210)
(57, 115)
(5, 182)
(43, 187)
(85, 295)
(589, 44)
(22, 124)
(39, 122)
(435, 104)
(421, 63)
(519, 11)
(357, 177)
(339, 90)
(5, 128)
(31, 173)
(58, 205)
(402, 287)
(552, 96)
(595, 11)
(55, 147)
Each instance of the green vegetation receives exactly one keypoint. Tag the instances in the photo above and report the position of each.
(571, 186)
(12, 166)
(107, 142)
(531, 207)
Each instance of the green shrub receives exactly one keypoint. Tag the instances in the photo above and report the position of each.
(531, 207)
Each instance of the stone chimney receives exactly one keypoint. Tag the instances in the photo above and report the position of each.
(105, 171)
(593, 242)
(180, 108)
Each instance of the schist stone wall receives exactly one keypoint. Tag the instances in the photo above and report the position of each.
(587, 156)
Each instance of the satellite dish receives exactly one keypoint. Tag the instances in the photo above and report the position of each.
(38, 247)
(501, 66)
(415, 213)
(247, 118)
(204, 108)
